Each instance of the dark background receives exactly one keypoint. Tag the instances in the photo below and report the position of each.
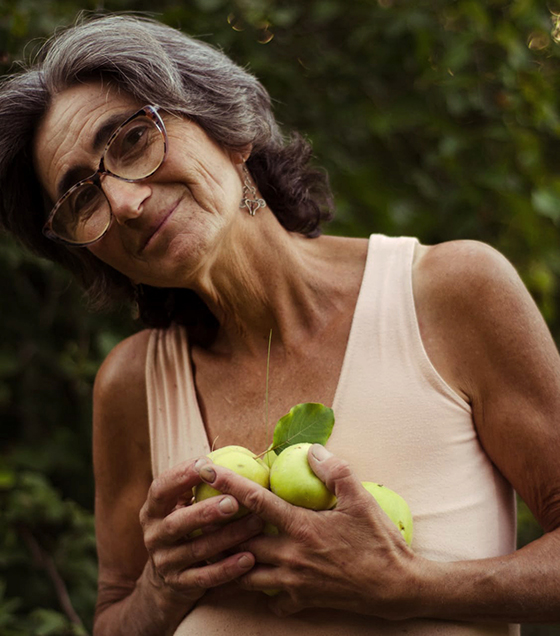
(434, 119)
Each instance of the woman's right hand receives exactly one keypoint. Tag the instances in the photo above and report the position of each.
(182, 566)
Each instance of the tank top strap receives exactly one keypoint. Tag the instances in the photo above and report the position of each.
(385, 333)
(177, 430)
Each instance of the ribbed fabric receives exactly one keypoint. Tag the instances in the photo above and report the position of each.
(397, 423)
(177, 431)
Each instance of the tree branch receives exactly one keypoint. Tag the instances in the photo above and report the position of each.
(43, 559)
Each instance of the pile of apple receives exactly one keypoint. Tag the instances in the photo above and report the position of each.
(284, 468)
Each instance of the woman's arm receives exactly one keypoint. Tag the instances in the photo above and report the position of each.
(483, 320)
(122, 465)
(150, 573)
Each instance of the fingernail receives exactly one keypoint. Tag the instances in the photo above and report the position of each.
(245, 562)
(207, 474)
(226, 505)
(320, 452)
(199, 463)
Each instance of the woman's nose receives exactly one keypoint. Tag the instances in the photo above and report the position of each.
(126, 198)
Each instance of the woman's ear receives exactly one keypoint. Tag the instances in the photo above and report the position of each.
(240, 155)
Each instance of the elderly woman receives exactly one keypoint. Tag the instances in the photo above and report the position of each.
(151, 166)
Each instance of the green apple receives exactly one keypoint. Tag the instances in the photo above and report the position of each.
(225, 450)
(394, 506)
(292, 479)
(242, 461)
(270, 456)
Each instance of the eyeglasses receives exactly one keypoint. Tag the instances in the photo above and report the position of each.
(134, 152)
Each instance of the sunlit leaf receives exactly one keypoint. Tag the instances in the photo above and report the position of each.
(309, 422)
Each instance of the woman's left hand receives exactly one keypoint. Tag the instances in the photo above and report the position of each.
(351, 558)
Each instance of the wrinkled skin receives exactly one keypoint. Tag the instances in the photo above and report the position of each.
(187, 567)
(314, 561)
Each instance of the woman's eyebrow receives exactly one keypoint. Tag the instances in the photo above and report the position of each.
(100, 139)
(107, 128)
(71, 177)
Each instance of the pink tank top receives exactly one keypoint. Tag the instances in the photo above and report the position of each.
(397, 423)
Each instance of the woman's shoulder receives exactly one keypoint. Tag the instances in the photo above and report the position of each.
(462, 268)
(121, 447)
(472, 308)
(122, 374)
(468, 285)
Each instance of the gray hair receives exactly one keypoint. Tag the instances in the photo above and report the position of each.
(158, 65)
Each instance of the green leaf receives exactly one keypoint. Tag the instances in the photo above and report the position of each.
(309, 422)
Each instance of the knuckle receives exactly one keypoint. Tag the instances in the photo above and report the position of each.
(340, 469)
(205, 513)
(247, 583)
(160, 565)
(197, 549)
(291, 561)
(143, 516)
(157, 489)
(173, 581)
(150, 542)
(208, 509)
(151, 537)
(171, 526)
(255, 500)
(203, 579)
(298, 529)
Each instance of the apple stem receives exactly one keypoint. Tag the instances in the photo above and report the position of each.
(261, 455)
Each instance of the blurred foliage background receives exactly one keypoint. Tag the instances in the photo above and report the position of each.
(436, 119)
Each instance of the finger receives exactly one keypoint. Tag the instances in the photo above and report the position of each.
(190, 552)
(336, 474)
(251, 495)
(171, 486)
(206, 514)
(267, 550)
(215, 574)
(277, 584)
(263, 578)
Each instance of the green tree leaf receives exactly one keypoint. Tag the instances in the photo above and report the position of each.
(309, 422)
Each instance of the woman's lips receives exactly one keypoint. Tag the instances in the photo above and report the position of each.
(159, 225)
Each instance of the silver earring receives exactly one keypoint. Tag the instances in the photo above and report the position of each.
(249, 199)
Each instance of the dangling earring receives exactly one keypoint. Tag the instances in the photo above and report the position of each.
(249, 199)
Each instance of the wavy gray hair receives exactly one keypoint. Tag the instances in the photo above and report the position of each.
(159, 65)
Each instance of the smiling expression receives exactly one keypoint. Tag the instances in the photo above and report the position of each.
(164, 226)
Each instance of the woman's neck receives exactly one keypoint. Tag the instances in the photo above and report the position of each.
(276, 280)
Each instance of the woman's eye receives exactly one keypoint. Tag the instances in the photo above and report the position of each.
(85, 201)
(131, 142)
(132, 139)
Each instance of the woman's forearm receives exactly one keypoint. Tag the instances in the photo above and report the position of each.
(522, 587)
(145, 611)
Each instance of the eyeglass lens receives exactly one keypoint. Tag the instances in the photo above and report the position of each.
(135, 152)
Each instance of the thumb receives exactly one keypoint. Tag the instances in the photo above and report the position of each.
(336, 474)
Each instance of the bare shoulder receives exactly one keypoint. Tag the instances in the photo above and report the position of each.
(124, 368)
(120, 417)
(472, 306)
(468, 284)
(461, 268)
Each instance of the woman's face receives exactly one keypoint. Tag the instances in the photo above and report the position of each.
(166, 228)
